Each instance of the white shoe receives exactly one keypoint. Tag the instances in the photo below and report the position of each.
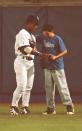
(70, 110)
(14, 110)
(25, 110)
(49, 111)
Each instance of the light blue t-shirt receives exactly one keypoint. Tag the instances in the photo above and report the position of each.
(54, 45)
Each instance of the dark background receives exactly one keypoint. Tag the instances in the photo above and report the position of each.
(67, 21)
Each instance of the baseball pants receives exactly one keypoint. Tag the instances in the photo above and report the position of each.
(24, 70)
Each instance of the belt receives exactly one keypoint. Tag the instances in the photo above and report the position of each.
(27, 58)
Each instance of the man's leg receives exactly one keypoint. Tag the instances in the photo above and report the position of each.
(21, 79)
(27, 91)
(61, 83)
(50, 91)
(49, 88)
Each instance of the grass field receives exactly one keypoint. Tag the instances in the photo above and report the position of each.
(35, 121)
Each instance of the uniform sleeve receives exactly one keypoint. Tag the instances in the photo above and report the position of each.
(62, 45)
(23, 39)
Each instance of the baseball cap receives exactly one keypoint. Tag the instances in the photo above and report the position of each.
(32, 19)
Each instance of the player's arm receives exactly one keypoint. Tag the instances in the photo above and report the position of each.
(25, 46)
(28, 50)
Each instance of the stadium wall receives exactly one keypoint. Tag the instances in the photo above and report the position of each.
(67, 21)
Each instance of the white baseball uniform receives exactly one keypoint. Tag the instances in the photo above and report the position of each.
(24, 69)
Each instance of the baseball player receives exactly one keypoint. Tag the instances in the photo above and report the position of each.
(52, 62)
(25, 49)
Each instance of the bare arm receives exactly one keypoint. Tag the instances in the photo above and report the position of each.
(28, 50)
(55, 57)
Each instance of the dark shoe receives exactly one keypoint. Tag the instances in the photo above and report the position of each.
(14, 110)
(70, 110)
(25, 110)
(49, 111)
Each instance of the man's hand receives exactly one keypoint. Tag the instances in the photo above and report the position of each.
(52, 57)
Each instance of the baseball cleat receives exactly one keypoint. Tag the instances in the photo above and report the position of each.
(49, 111)
(14, 110)
(70, 110)
(25, 110)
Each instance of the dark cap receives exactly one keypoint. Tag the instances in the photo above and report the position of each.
(32, 19)
(48, 27)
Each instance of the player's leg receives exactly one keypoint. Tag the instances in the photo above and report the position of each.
(21, 80)
(27, 91)
(61, 82)
(50, 91)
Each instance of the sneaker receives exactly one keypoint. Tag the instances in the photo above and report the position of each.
(25, 110)
(70, 110)
(49, 111)
(14, 110)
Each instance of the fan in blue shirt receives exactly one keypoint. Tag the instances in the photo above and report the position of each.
(54, 70)
(52, 44)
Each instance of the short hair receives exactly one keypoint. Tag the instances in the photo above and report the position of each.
(48, 27)
(32, 19)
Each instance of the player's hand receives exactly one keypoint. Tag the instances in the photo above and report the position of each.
(33, 51)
